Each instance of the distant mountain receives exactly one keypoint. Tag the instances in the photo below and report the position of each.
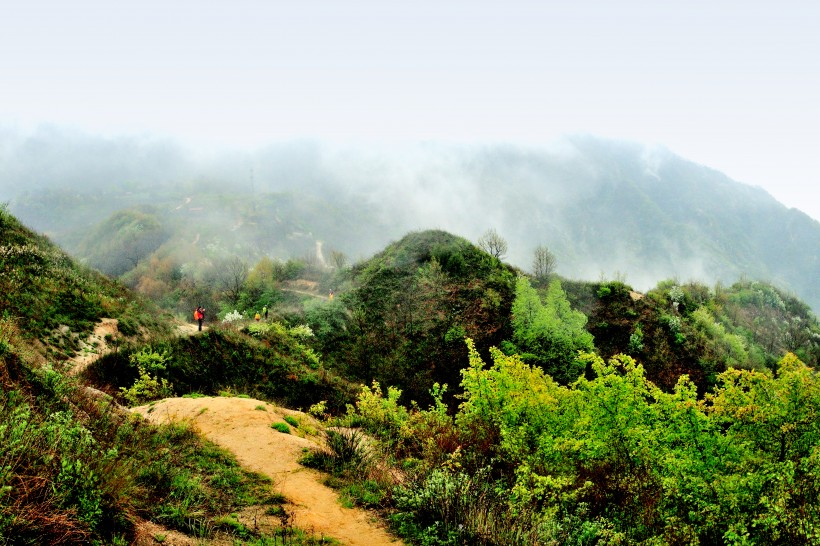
(605, 208)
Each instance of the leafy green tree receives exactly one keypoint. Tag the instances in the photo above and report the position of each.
(551, 333)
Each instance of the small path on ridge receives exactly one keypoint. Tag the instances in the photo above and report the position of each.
(243, 427)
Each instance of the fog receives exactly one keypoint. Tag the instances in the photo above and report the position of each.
(607, 209)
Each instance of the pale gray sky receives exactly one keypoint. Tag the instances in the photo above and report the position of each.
(733, 84)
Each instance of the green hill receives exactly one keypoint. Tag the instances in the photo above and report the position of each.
(576, 411)
(410, 307)
(76, 467)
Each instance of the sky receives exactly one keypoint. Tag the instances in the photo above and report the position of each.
(734, 85)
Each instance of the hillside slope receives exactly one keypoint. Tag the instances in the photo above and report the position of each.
(404, 313)
(75, 468)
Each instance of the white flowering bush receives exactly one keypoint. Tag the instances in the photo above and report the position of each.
(303, 331)
(232, 317)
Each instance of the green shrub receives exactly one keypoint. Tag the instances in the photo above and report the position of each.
(281, 427)
(291, 420)
(146, 388)
(319, 409)
(346, 453)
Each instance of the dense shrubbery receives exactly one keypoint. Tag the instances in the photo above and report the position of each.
(612, 459)
(711, 439)
(269, 363)
(403, 319)
(692, 329)
(74, 469)
(548, 334)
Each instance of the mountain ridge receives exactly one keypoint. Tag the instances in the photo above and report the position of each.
(603, 207)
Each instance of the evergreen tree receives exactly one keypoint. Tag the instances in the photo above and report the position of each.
(551, 333)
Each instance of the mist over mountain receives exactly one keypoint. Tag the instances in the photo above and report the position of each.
(605, 208)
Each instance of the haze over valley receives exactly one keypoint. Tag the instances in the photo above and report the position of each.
(605, 208)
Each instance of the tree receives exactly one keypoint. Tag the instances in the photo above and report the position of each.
(338, 259)
(232, 277)
(493, 244)
(543, 264)
(551, 333)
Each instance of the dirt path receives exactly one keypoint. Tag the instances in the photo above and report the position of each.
(189, 328)
(242, 426)
(304, 293)
(94, 346)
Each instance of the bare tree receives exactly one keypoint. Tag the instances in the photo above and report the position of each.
(492, 243)
(338, 259)
(543, 264)
(232, 276)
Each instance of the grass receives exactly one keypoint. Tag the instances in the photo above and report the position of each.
(366, 494)
(281, 427)
(291, 420)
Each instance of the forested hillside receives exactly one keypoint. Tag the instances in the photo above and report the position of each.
(499, 407)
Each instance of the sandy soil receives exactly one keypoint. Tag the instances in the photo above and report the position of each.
(189, 328)
(242, 426)
(94, 346)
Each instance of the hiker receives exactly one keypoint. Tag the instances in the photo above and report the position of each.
(331, 294)
(265, 312)
(257, 317)
(199, 316)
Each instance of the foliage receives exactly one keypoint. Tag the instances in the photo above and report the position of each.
(319, 409)
(377, 412)
(281, 427)
(638, 464)
(118, 244)
(449, 507)
(691, 329)
(148, 387)
(45, 290)
(403, 319)
(551, 333)
(271, 365)
(291, 420)
(75, 470)
(346, 453)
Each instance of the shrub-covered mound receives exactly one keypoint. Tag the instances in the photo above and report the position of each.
(263, 360)
(410, 307)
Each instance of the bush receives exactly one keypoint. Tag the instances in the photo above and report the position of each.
(291, 420)
(346, 453)
(281, 427)
(148, 387)
(452, 508)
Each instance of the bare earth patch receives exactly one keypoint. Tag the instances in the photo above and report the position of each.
(242, 426)
(95, 345)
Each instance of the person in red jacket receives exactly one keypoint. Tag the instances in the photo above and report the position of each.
(199, 316)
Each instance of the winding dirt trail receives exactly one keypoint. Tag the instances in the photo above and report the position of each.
(242, 426)
(94, 346)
